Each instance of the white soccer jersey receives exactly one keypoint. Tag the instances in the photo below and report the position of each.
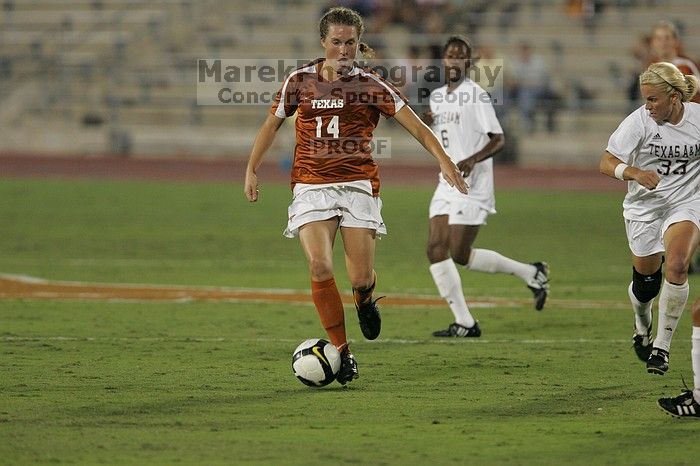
(462, 120)
(672, 150)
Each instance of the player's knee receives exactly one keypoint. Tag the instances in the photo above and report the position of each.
(677, 268)
(362, 281)
(646, 287)
(437, 252)
(461, 256)
(321, 269)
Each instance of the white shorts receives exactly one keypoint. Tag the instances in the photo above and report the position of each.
(460, 209)
(351, 201)
(647, 238)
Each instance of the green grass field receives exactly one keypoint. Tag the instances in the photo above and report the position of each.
(211, 383)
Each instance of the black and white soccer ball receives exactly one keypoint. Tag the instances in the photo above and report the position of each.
(316, 362)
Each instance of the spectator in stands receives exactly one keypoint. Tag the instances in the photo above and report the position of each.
(588, 11)
(470, 16)
(529, 85)
(666, 46)
(641, 52)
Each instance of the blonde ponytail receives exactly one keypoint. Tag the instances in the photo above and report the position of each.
(692, 83)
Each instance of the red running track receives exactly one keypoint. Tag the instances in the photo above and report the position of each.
(222, 170)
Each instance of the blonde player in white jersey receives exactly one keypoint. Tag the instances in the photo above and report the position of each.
(464, 120)
(657, 150)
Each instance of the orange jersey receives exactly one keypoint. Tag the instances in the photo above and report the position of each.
(687, 66)
(335, 121)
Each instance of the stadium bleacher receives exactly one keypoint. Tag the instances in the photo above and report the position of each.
(119, 76)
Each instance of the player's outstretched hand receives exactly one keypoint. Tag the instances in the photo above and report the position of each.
(647, 178)
(251, 186)
(453, 176)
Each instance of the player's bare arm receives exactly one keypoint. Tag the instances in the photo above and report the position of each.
(409, 120)
(495, 144)
(647, 178)
(263, 141)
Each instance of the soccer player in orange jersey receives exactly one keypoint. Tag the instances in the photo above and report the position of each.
(666, 46)
(335, 180)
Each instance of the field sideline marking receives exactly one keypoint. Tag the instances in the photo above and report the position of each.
(27, 287)
(399, 341)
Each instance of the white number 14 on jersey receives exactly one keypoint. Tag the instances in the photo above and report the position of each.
(332, 127)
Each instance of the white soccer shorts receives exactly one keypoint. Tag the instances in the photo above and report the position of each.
(352, 202)
(647, 238)
(460, 209)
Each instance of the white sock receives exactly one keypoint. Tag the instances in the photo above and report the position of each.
(449, 284)
(671, 303)
(642, 312)
(484, 260)
(695, 356)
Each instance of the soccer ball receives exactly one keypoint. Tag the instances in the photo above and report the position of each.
(316, 362)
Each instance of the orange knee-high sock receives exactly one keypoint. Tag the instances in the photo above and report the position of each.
(330, 309)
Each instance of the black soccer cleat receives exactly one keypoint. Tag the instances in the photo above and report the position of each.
(642, 345)
(684, 405)
(658, 361)
(370, 320)
(539, 284)
(456, 330)
(348, 368)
